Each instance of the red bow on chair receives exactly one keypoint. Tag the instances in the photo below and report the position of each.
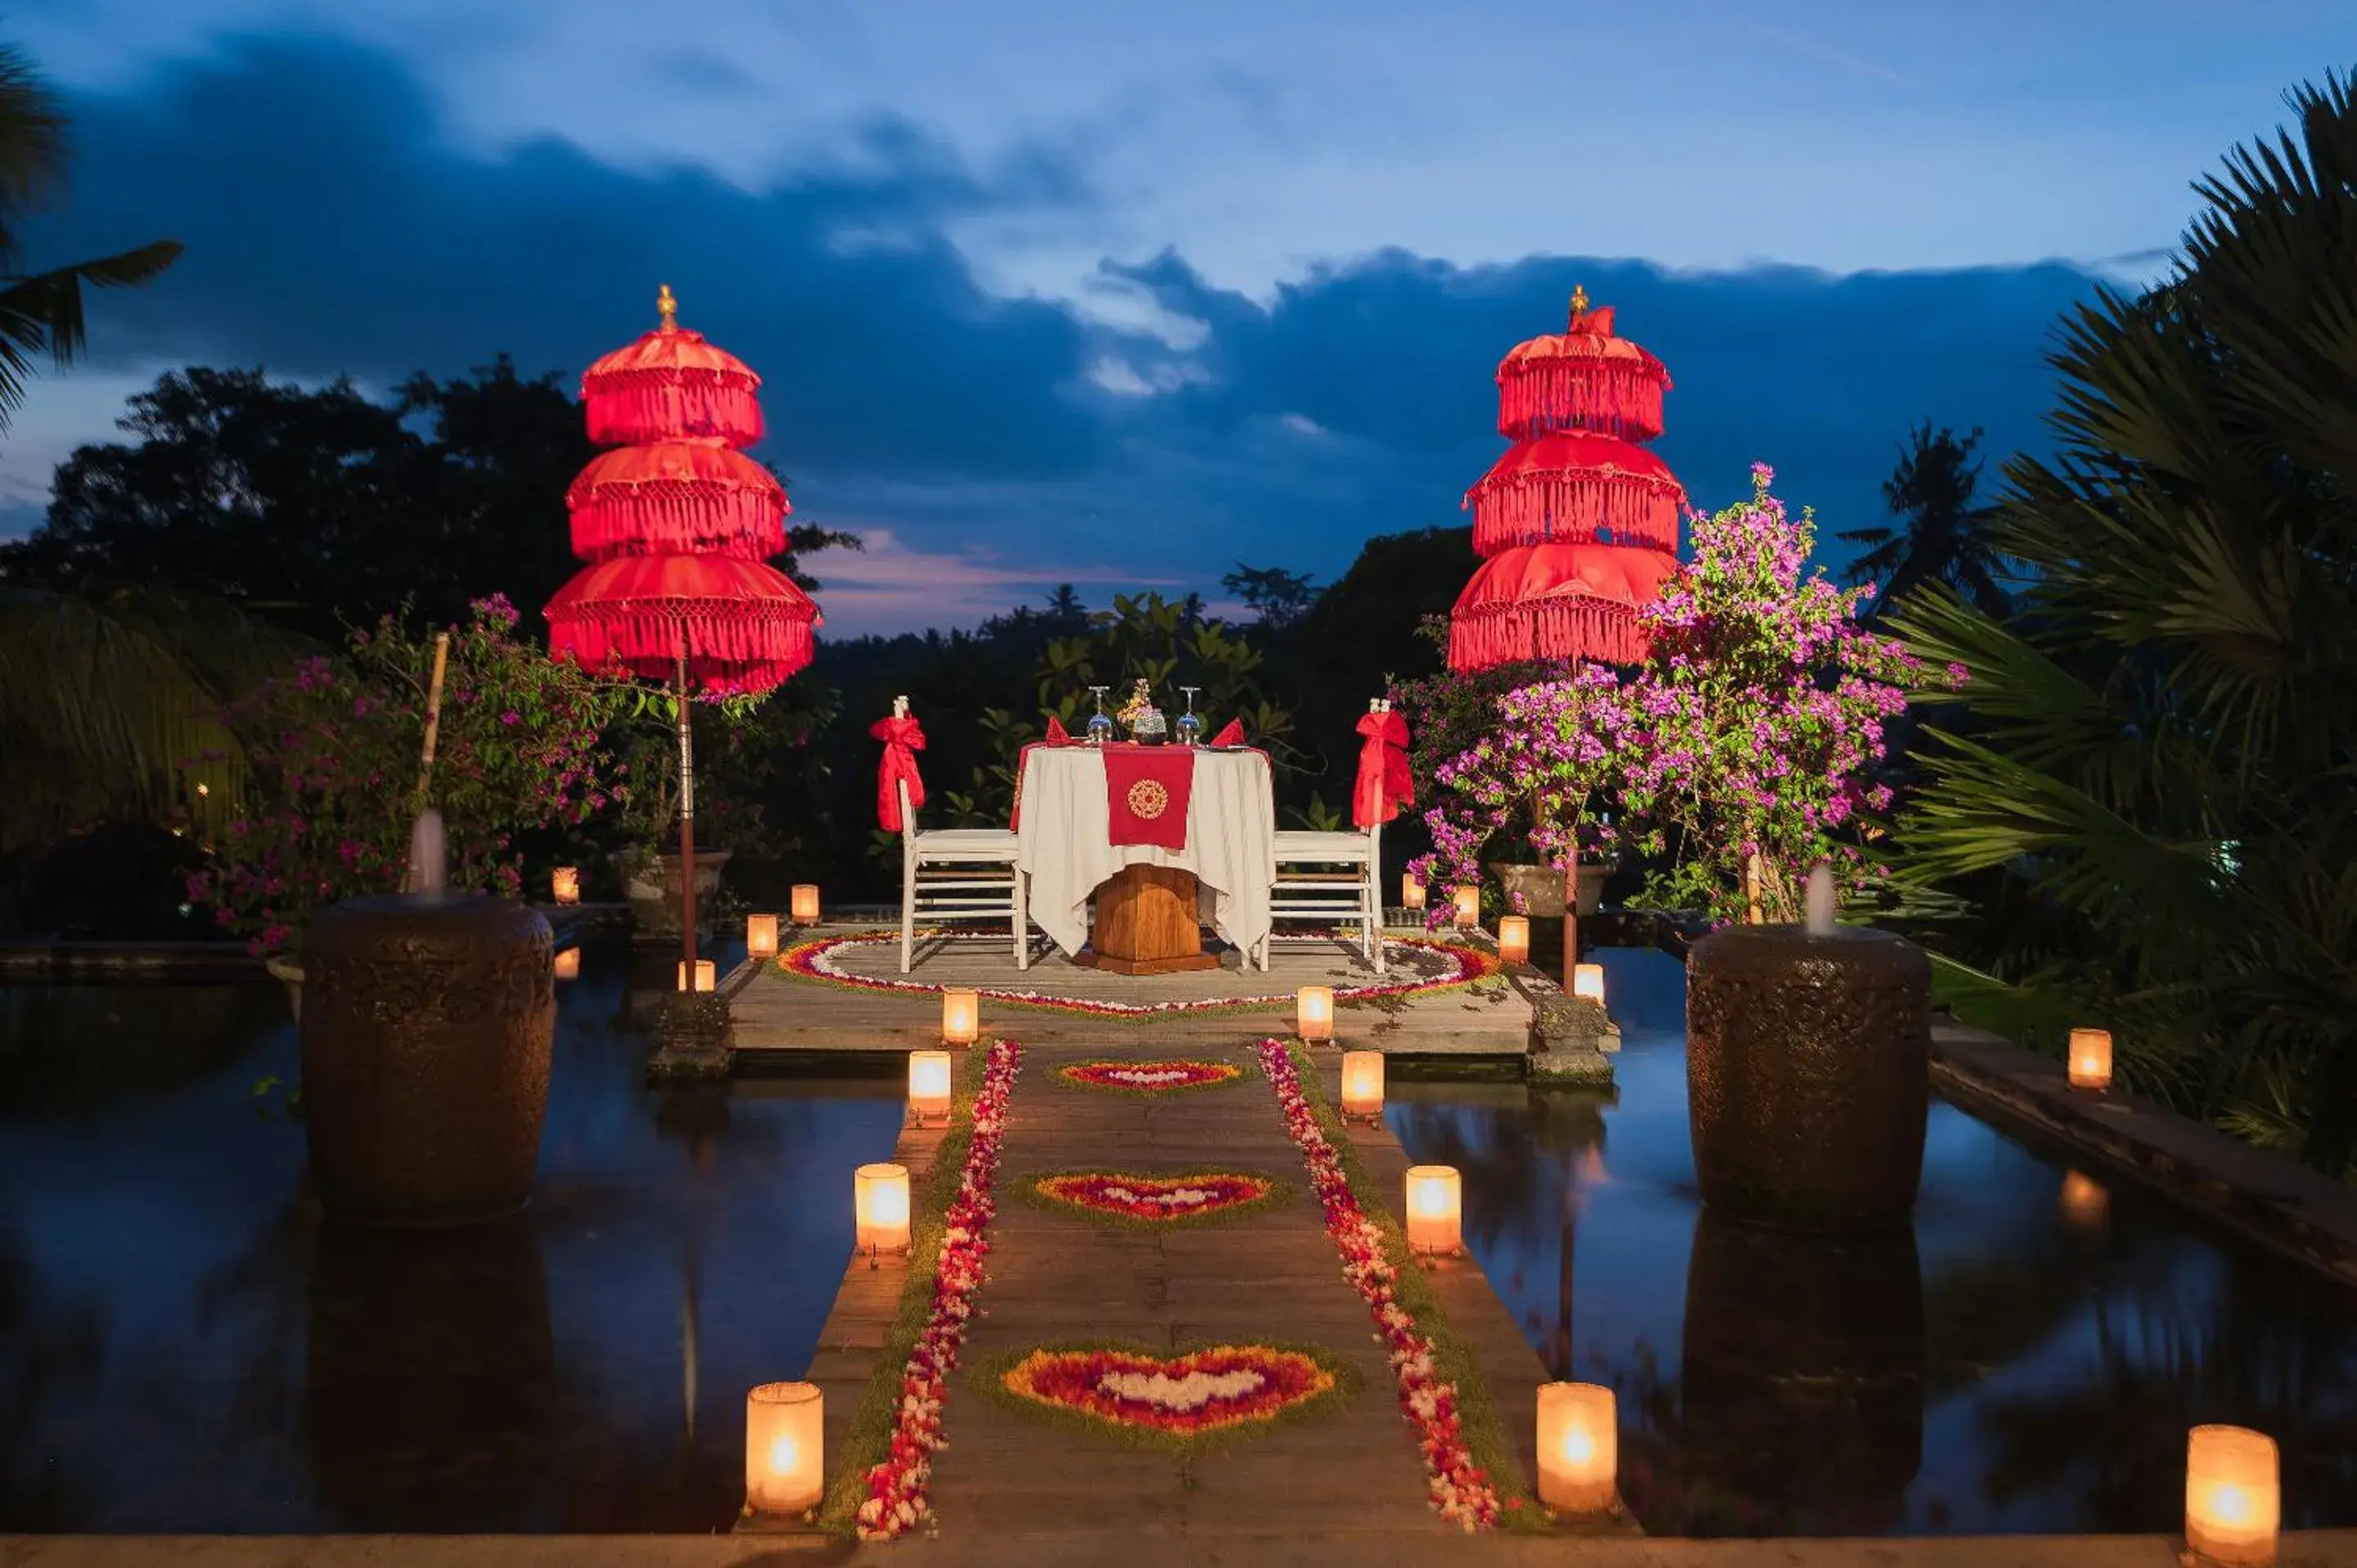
(902, 739)
(1384, 782)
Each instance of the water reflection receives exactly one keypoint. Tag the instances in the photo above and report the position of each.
(2026, 1361)
(431, 1376)
(185, 1345)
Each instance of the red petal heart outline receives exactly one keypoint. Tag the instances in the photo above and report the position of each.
(1151, 1198)
(1084, 1382)
(1151, 1077)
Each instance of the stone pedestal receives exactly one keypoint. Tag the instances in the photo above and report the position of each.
(691, 1036)
(1572, 1042)
(1808, 1075)
(427, 1024)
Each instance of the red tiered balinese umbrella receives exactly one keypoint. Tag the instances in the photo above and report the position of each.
(677, 527)
(1578, 523)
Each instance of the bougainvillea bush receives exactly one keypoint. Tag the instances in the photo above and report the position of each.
(1752, 729)
(336, 746)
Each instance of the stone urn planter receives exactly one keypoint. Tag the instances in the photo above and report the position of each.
(1808, 1075)
(651, 884)
(426, 1028)
(1541, 888)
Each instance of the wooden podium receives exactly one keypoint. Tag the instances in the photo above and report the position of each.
(1146, 924)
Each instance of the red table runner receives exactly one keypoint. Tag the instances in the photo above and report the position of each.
(1146, 791)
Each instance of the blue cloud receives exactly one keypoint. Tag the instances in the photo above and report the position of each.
(332, 227)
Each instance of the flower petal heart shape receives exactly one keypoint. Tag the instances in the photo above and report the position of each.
(1158, 1199)
(1150, 1077)
(1220, 1390)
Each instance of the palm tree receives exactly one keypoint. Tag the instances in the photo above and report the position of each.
(2163, 743)
(42, 311)
(110, 706)
(1942, 537)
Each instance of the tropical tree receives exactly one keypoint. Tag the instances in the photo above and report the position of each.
(42, 312)
(1941, 537)
(2160, 752)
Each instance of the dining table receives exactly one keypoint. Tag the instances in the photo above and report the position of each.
(1164, 839)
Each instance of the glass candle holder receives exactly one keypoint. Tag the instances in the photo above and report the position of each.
(1579, 1447)
(706, 977)
(761, 937)
(1435, 1202)
(1362, 1083)
(961, 1016)
(2091, 1059)
(880, 1201)
(1411, 892)
(929, 1076)
(803, 904)
(1469, 908)
(1513, 939)
(2232, 1503)
(1313, 1012)
(1587, 982)
(564, 885)
(785, 1437)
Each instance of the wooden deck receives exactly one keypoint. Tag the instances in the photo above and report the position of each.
(1352, 1473)
(781, 1014)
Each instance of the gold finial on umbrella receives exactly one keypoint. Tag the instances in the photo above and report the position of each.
(666, 302)
(1578, 300)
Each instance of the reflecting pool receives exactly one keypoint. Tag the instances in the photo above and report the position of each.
(184, 1347)
(2026, 1361)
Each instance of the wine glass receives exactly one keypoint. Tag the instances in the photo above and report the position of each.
(1191, 728)
(1099, 722)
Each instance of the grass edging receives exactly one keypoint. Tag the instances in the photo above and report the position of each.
(1485, 1438)
(867, 1441)
(988, 1382)
(1026, 1190)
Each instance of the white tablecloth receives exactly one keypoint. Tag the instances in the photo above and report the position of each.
(1061, 841)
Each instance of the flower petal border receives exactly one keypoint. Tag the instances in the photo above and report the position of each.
(1225, 1075)
(1033, 1190)
(896, 1499)
(814, 961)
(1462, 1491)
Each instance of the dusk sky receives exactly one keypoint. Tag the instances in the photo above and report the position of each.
(1120, 294)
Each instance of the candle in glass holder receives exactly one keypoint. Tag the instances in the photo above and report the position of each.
(961, 1016)
(928, 1085)
(880, 1212)
(2091, 1059)
(568, 964)
(785, 1428)
(1513, 939)
(803, 909)
(2233, 1505)
(1313, 1012)
(1469, 908)
(706, 976)
(1435, 1198)
(1587, 982)
(1411, 892)
(566, 884)
(1362, 1083)
(760, 937)
(1579, 1447)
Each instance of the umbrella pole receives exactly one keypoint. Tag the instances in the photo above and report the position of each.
(686, 824)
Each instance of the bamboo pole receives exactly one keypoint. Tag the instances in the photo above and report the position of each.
(1751, 879)
(410, 876)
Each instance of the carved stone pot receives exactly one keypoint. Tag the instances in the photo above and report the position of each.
(427, 1023)
(1808, 1075)
(651, 884)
